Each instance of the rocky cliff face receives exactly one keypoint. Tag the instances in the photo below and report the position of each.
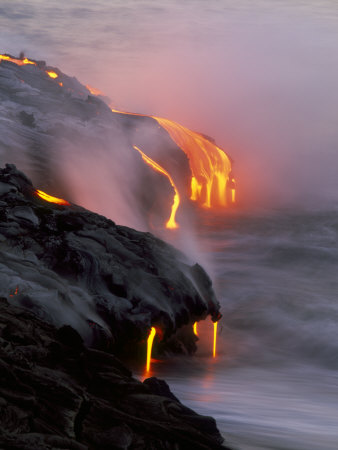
(111, 283)
(75, 288)
(57, 394)
(69, 142)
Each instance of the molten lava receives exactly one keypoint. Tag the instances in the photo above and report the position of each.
(171, 223)
(233, 190)
(52, 74)
(49, 198)
(19, 62)
(215, 340)
(150, 346)
(194, 327)
(93, 90)
(210, 166)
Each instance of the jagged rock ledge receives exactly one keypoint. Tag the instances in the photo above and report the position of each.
(111, 283)
(56, 393)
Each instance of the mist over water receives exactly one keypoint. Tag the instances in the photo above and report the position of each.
(274, 383)
(261, 78)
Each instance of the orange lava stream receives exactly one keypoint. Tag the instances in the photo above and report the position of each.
(52, 74)
(210, 166)
(93, 90)
(127, 113)
(194, 327)
(215, 340)
(233, 195)
(171, 223)
(150, 346)
(49, 198)
(233, 190)
(19, 62)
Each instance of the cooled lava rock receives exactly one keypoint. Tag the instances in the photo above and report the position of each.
(111, 283)
(55, 393)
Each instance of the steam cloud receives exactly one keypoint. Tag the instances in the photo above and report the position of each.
(260, 78)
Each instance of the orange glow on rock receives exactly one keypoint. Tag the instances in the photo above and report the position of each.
(194, 327)
(171, 223)
(52, 74)
(61, 84)
(215, 340)
(15, 292)
(149, 347)
(93, 90)
(19, 62)
(49, 198)
(209, 164)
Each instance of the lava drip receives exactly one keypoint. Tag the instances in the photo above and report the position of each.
(215, 340)
(149, 347)
(171, 223)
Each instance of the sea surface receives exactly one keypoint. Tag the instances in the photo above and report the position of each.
(274, 382)
(260, 77)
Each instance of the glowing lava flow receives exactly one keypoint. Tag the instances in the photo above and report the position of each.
(215, 340)
(52, 74)
(171, 223)
(210, 166)
(194, 327)
(49, 198)
(149, 347)
(19, 62)
(93, 90)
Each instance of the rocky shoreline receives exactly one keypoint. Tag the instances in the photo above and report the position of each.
(57, 393)
(111, 283)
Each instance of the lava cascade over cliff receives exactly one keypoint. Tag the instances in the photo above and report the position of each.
(207, 179)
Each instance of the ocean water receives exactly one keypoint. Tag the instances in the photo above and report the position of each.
(261, 77)
(274, 382)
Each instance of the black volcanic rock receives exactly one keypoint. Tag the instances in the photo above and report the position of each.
(55, 393)
(111, 283)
